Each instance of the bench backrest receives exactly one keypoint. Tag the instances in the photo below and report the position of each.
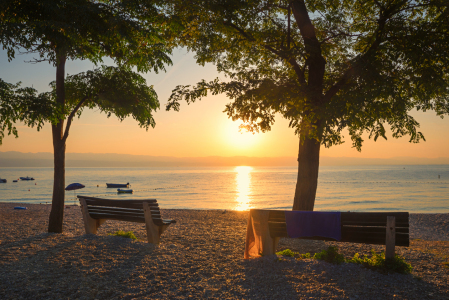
(122, 210)
(356, 227)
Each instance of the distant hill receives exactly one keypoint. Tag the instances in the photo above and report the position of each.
(45, 159)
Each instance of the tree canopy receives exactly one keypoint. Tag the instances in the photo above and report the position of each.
(324, 65)
(378, 61)
(134, 34)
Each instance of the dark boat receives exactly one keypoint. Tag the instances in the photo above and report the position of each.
(2, 180)
(26, 178)
(122, 191)
(117, 185)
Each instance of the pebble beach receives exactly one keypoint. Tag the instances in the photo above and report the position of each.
(201, 257)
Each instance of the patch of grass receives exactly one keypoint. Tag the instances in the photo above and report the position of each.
(287, 252)
(330, 255)
(378, 261)
(128, 234)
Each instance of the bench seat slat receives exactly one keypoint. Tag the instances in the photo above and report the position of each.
(116, 201)
(372, 224)
(401, 217)
(369, 230)
(362, 218)
(121, 217)
(118, 217)
(120, 203)
(127, 211)
(281, 227)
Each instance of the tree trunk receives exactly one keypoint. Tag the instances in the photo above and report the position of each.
(57, 204)
(306, 184)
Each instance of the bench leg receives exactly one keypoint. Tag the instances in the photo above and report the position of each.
(90, 225)
(390, 238)
(153, 231)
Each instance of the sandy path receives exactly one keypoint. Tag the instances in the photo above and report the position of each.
(201, 256)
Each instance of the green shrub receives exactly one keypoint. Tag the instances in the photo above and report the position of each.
(129, 234)
(330, 255)
(378, 261)
(307, 255)
(287, 252)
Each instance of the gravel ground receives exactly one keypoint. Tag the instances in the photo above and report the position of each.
(201, 256)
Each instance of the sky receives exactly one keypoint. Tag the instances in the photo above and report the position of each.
(200, 129)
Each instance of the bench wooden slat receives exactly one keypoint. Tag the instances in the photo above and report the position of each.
(117, 217)
(129, 218)
(368, 230)
(117, 201)
(360, 218)
(401, 217)
(127, 211)
(372, 224)
(120, 203)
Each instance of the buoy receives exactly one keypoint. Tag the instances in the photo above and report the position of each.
(28, 190)
(97, 185)
(35, 184)
(438, 176)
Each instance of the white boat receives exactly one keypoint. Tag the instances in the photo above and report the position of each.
(26, 178)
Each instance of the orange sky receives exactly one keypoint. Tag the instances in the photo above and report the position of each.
(201, 129)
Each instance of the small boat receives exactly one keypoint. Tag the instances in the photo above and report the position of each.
(120, 191)
(14, 181)
(117, 185)
(3, 180)
(26, 178)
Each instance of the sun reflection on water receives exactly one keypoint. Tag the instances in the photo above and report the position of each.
(243, 183)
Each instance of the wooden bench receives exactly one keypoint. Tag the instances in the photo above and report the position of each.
(383, 228)
(96, 211)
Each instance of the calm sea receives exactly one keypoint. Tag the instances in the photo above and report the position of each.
(354, 188)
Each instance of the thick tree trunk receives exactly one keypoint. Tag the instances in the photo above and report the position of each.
(306, 184)
(57, 204)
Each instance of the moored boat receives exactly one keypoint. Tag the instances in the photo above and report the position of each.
(26, 178)
(120, 191)
(3, 180)
(117, 185)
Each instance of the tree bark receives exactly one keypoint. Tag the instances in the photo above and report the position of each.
(307, 181)
(57, 204)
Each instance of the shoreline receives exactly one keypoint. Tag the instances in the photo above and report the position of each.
(201, 256)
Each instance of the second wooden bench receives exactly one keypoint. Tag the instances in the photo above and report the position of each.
(97, 210)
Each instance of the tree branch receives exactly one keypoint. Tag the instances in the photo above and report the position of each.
(383, 17)
(71, 116)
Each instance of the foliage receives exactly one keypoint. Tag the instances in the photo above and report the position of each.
(114, 91)
(128, 234)
(19, 104)
(130, 32)
(287, 252)
(378, 261)
(330, 255)
(324, 65)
